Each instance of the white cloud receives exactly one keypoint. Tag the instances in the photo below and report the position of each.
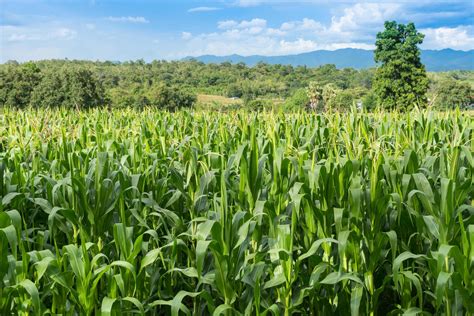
(334, 46)
(275, 32)
(248, 3)
(250, 37)
(362, 17)
(461, 37)
(302, 45)
(64, 33)
(128, 19)
(252, 23)
(298, 46)
(245, 24)
(303, 25)
(355, 26)
(21, 34)
(228, 24)
(186, 35)
(203, 9)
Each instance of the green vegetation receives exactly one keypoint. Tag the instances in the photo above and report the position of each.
(149, 212)
(451, 93)
(400, 82)
(137, 84)
(71, 88)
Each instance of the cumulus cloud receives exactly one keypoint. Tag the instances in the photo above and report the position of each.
(299, 45)
(354, 26)
(255, 36)
(21, 34)
(245, 24)
(203, 9)
(186, 35)
(249, 37)
(461, 37)
(128, 19)
(363, 17)
(303, 25)
(228, 24)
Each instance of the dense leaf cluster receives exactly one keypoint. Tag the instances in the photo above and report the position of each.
(79, 85)
(450, 93)
(400, 81)
(174, 84)
(122, 212)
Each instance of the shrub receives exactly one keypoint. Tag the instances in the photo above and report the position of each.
(259, 104)
(17, 83)
(71, 88)
(450, 94)
(170, 97)
(299, 100)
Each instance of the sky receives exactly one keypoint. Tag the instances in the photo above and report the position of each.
(120, 30)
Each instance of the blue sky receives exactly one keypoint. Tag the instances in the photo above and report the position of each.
(165, 29)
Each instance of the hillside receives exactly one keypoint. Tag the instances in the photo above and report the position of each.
(435, 60)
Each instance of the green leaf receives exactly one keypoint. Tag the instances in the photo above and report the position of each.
(336, 277)
(32, 290)
(107, 306)
(356, 296)
(7, 199)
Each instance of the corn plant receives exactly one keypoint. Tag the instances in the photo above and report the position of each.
(156, 213)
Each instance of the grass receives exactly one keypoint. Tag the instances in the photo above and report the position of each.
(217, 103)
(121, 212)
(208, 98)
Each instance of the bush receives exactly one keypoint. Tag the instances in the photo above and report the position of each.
(71, 88)
(259, 105)
(17, 83)
(299, 100)
(130, 96)
(450, 94)
(343, 100)
(234, 90)
(170, 97)
(369, 101)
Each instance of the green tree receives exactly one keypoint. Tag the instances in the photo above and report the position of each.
(450, 94)
(170, 97)
(17, 82)
(70, 87)
(49, 92)
(234, 90)
(299, 100)
(400, 81)
(369, 101)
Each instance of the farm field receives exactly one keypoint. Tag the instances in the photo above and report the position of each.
(148, 212)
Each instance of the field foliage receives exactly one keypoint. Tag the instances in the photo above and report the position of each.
(148, 212)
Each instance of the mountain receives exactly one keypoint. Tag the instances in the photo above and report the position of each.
(435, 60)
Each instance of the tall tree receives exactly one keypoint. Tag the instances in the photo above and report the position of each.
(17, 82)
(70, 87)
(450, 93)
(400, 81)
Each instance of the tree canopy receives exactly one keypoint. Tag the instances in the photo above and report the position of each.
(400, 81)
(174, 84)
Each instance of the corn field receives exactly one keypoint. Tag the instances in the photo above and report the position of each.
(109, 212)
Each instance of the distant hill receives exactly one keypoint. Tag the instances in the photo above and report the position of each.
(435, 60)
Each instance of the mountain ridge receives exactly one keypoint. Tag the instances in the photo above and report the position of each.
(434, 60)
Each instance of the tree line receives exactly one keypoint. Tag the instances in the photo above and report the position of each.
(399, 82)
